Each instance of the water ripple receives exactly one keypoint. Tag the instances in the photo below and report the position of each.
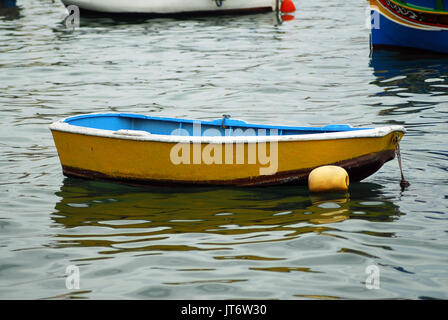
(211, 243)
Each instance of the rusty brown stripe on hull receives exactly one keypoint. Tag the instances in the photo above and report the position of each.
(357, 168)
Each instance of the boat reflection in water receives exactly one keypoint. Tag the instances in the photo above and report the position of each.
(9, 10)
(412, 69)
(116, 218)
(404, 76)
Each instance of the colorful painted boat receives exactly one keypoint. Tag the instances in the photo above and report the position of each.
(420, 24)
(140, 149)
(173, 6)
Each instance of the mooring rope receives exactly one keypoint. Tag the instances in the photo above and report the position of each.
(403, 183)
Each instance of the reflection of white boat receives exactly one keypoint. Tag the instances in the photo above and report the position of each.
(173, 6)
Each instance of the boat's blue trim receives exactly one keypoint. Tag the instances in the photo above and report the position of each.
(391, 33)
(166, 126)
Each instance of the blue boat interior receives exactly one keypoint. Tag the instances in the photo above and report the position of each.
(184, 127)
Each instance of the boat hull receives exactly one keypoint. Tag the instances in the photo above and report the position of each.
(166, 7)
(358, 169)
(238, 162)
(419, 30)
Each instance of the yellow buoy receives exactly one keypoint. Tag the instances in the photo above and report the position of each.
(327, 179)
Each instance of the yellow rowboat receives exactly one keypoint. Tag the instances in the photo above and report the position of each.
(139, 149)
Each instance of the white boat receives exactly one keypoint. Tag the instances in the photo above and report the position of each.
(173, 6)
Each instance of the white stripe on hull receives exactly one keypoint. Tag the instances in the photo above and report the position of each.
(168, 6)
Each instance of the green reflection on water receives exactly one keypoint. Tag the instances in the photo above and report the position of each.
(120, 218)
